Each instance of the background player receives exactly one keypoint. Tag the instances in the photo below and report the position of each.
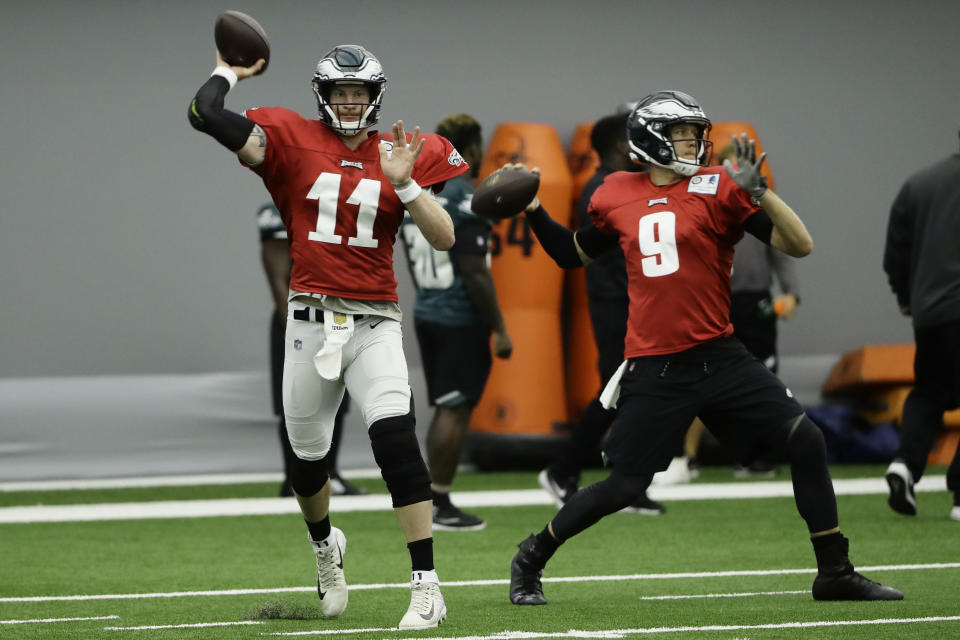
(677, 227)
(341, 191)
(455, 313)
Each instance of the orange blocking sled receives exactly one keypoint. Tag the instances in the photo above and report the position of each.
(880, 376)
(524, 396)
(580, 349)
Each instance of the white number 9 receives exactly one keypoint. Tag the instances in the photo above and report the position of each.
(657, 236)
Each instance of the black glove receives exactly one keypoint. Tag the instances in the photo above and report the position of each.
(747, 173)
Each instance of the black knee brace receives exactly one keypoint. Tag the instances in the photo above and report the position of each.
(309, 476)
(397, 452)
(812, 488)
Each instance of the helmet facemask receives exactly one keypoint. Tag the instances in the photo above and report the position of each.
(349, 64)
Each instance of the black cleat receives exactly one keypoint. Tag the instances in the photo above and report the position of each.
(447, 517)
(525, 587)
(900, 480)
(645, 506)
(852, 586)
(340, 487)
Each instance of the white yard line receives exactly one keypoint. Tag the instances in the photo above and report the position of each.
(381, 502)
(194, 625)
(483, 583)
(48, 620)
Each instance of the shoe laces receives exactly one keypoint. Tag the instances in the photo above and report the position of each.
(328, 571)
(424, 594)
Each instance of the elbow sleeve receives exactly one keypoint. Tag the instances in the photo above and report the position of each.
(206, 114)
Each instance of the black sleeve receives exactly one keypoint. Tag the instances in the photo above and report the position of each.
(595, 242)
(760, 226)
(207, 114)
(556, 239)
(896, 255)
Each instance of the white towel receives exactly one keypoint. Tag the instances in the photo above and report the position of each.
(611, 392)
(337, 330)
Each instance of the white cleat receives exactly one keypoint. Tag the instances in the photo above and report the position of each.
(955, 513)
(331, 584)
(427, 608)
(677, 473)
(900, 480)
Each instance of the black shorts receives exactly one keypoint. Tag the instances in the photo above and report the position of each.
(456, 362)
(745, 406)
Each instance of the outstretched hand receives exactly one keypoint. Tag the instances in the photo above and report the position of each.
(242, 72)
(397, 164)
(746, 173)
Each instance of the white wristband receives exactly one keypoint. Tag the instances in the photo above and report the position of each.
(409, 192)
(227, 74)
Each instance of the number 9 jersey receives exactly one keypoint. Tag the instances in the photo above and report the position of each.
(678, 243)
(340, 211)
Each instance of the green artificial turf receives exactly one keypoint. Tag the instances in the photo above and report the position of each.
(176, 559)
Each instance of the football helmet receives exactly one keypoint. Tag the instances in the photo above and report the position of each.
(349, 64)
(648, 131)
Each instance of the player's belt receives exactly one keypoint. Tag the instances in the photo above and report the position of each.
(304, 314)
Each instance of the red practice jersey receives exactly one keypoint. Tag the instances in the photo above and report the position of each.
(678, 241)
(341, 212)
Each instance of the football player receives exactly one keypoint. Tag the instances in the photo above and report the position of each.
(677, 226)
(341, 189)
(455, 314)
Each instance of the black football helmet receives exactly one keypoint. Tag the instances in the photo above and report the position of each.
(349, 64)
(648, 131)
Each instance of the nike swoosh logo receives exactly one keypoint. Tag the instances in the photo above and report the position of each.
(429, 616)
(373, 325)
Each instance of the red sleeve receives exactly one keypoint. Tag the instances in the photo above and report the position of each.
(438, 162)
(598, 211)
(279, 124)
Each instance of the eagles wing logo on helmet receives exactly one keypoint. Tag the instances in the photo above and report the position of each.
(353, 64)
(648, 131)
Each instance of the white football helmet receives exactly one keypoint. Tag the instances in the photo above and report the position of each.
(648, 131)
(350, 64)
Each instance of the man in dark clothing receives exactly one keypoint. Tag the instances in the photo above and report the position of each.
(677, 225)
(608, 303)
(922, 261)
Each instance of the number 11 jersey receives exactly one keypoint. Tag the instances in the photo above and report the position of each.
(340, 211)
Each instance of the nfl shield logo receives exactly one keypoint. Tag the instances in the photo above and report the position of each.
(297, 344)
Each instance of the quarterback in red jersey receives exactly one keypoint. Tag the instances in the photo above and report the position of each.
(341, 190)
(677, 226)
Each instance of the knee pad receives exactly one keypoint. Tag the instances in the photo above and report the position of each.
(624, 489)
(397, 452)
(309, 476)
(804, 441)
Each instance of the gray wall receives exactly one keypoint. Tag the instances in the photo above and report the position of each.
(127, 242)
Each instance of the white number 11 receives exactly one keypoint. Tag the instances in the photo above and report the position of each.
(326, 191)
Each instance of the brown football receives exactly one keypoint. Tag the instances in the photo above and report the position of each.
(505, 193)
(241, 40)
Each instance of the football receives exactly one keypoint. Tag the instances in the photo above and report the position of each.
(505, 193)
(241, 40)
